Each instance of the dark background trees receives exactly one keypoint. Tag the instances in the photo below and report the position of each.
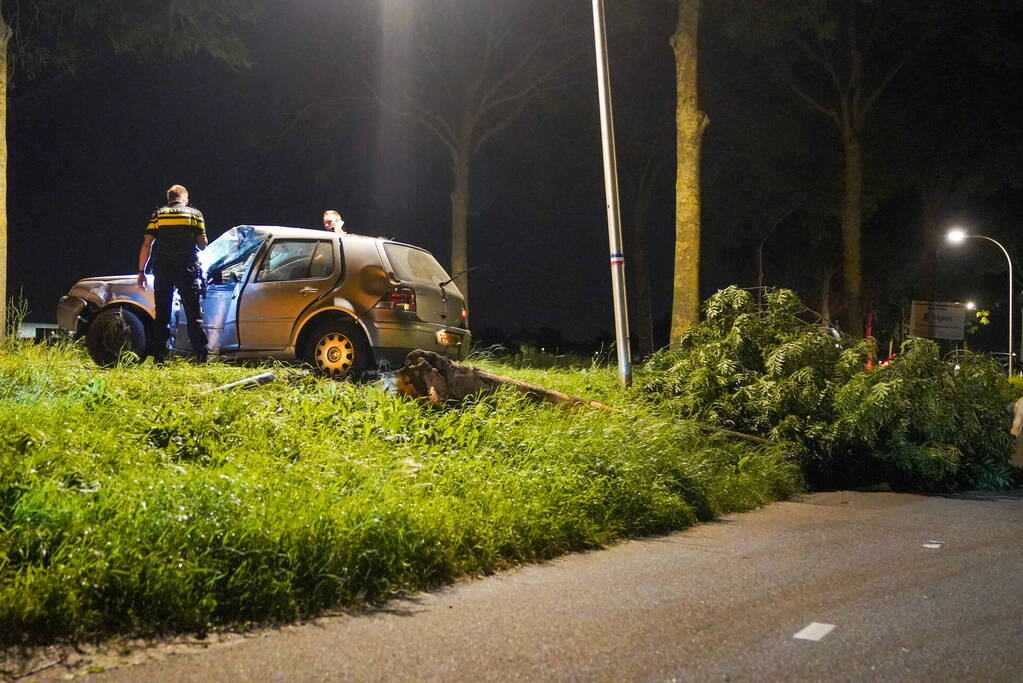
(91, 153)
(45, 38)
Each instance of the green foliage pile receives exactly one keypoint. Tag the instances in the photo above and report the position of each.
(916, 423)
(133, 500)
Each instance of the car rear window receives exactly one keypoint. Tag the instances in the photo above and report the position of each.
(414, 265)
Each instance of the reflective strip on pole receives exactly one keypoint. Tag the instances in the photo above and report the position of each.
(614, 223)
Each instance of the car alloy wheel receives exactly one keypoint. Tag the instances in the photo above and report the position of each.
(337, 349)
(334, 354)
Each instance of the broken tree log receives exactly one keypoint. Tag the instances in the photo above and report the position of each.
(440, 381)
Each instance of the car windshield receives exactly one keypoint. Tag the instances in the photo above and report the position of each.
(414, 265)
(234, 247)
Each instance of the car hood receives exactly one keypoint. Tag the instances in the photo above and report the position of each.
(107, 289)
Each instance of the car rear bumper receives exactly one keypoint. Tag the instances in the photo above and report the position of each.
(392, 341)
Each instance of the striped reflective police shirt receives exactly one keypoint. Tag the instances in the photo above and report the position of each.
(175, 228)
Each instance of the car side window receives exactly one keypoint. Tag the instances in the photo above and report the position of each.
(297, 260)
(323, 261)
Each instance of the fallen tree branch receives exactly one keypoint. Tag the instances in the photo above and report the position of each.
(440, 381)
(738, 435)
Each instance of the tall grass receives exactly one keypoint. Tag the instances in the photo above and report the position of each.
(133, 500)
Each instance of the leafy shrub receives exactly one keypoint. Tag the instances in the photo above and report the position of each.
(916, 422)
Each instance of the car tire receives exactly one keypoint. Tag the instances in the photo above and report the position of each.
(337, 350)
(112, 333)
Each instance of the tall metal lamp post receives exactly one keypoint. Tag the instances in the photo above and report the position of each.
(958, 236)
(614, 223)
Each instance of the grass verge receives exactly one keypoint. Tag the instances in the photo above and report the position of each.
(132, 501)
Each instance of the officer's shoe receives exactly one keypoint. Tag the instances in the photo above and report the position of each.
(159, 358)
(201, 357)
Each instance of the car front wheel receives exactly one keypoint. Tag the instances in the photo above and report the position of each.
(112, 334)
(338, 350)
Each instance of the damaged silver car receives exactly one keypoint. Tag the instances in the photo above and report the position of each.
(342, 303)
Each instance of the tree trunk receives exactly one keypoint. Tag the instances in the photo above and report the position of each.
(852, 219)
(690, 123)
(442, 382)
(825, 294)
(460, 195)
(5, 36)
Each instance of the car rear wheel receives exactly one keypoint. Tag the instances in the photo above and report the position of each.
(338, 350)
(112, 334)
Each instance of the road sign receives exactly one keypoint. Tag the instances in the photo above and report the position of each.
(937, 319)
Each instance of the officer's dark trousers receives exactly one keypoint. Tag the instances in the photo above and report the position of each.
(166, 280)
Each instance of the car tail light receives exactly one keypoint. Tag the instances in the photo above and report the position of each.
(401, 299)
(465, 315)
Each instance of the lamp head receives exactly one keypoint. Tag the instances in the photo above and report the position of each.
(955, 236)
(970, 305)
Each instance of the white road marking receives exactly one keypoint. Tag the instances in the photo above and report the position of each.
(934, 545)
(815, 631)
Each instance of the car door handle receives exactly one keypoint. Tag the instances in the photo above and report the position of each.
(306, 291)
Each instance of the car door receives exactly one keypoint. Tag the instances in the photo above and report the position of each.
(292, 274)
(226, 263)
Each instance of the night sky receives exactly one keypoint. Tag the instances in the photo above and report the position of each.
(92, 153)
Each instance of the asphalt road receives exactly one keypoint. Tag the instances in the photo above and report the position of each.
(722, 601)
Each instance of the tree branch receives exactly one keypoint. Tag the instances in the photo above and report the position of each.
(430, 56)
(523, 64)
(418, 114)
(499, 126)
(886, 81)
(875, 26)
(815, 57)
(817, 106)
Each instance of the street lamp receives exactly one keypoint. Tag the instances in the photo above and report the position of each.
(958, 236)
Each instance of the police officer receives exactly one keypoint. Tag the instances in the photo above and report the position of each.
(178, 229)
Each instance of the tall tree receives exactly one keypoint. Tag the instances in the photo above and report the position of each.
(471, 70)
(838, 57)
(644, 120)
(5, 39)
(43, 38)
(690, 123)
